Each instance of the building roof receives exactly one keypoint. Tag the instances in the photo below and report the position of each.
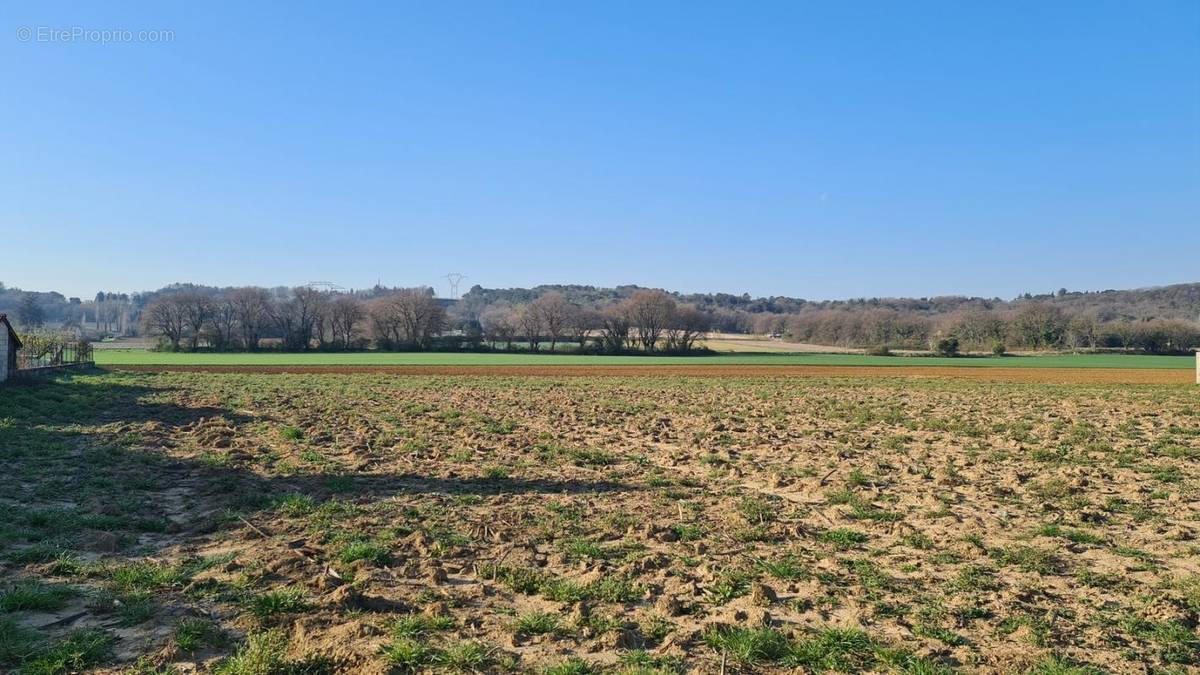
(12, 333)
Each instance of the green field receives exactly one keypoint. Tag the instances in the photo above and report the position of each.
(143, 357)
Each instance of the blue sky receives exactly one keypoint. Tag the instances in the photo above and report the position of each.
(821, 150)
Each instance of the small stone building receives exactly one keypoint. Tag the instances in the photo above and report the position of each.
(9, 344)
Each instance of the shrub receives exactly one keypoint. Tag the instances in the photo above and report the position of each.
(998, 349)
(947, 346)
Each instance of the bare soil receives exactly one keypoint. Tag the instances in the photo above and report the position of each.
(991, 374)
(606, 521)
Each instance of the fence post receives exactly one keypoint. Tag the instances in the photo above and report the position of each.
(1198, 366)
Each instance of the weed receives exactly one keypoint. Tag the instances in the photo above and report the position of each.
(80, 650)
(536, 623)
(408, 655)
(788, 568)
(465, 657)
(841, 649)
(572, 666)
(418, 624)
(265, 653)
(35, 596)
(292, 433)
(272, 603)
(193, 634)
(749, 646)
(364, 550)
(1029, 559)
(843, 539)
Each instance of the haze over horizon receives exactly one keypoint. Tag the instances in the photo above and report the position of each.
(806, 150)
(441, 289)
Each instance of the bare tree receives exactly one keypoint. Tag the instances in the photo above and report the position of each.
(980, 329)
(1039, 325)
(345, 315)
(555, 314)
(408, 319)
(422, 317)
(385, 325)
(197, 309)
(685, 326)
(499, 325)
(583, 322)
(164, 317)
(614, 328)
(297, 317)
(252, 312)
(1081, 331)
(650, 312)
(223, 324)
(530, 321)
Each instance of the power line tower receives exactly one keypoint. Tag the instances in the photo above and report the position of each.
(326, 286)
(455, 279)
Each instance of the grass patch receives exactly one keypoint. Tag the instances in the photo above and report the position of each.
(265, 653)
(272, 603)
(35, 596)
(844, 539)
(79, 651)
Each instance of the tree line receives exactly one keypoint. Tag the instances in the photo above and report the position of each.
(646, 321)
(303, 319)
(299, 319)
(1027, 326)
(612, 320)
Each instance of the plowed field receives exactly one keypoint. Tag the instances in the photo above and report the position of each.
(618, 520)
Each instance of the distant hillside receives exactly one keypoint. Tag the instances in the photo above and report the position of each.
(1178, 301)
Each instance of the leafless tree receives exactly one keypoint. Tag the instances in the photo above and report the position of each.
(164, 317)
(345, 315)
(530, 321)
(252, 312)
(770, 324)
(408, 319)
(1039, 325)
(297, 317)
(684, 327)
(555, 314)
(979, 329)
(499, 325)
(197, 309)
(583, 322)
(223, 323)
(1081, 331)
(421, 315)
(614, 327)
(650, 312)
(385, 325)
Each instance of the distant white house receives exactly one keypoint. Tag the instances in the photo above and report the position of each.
(9, 344)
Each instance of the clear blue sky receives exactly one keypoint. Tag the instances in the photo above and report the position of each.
(822, 150)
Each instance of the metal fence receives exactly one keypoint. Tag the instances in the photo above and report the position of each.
(47, 353)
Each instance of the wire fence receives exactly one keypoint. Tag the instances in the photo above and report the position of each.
(43, 352)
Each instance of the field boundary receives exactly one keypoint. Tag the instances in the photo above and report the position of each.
(994, 374)
(460, 359)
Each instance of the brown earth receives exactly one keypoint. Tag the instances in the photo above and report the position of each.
(991, 374)
(373, 523)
